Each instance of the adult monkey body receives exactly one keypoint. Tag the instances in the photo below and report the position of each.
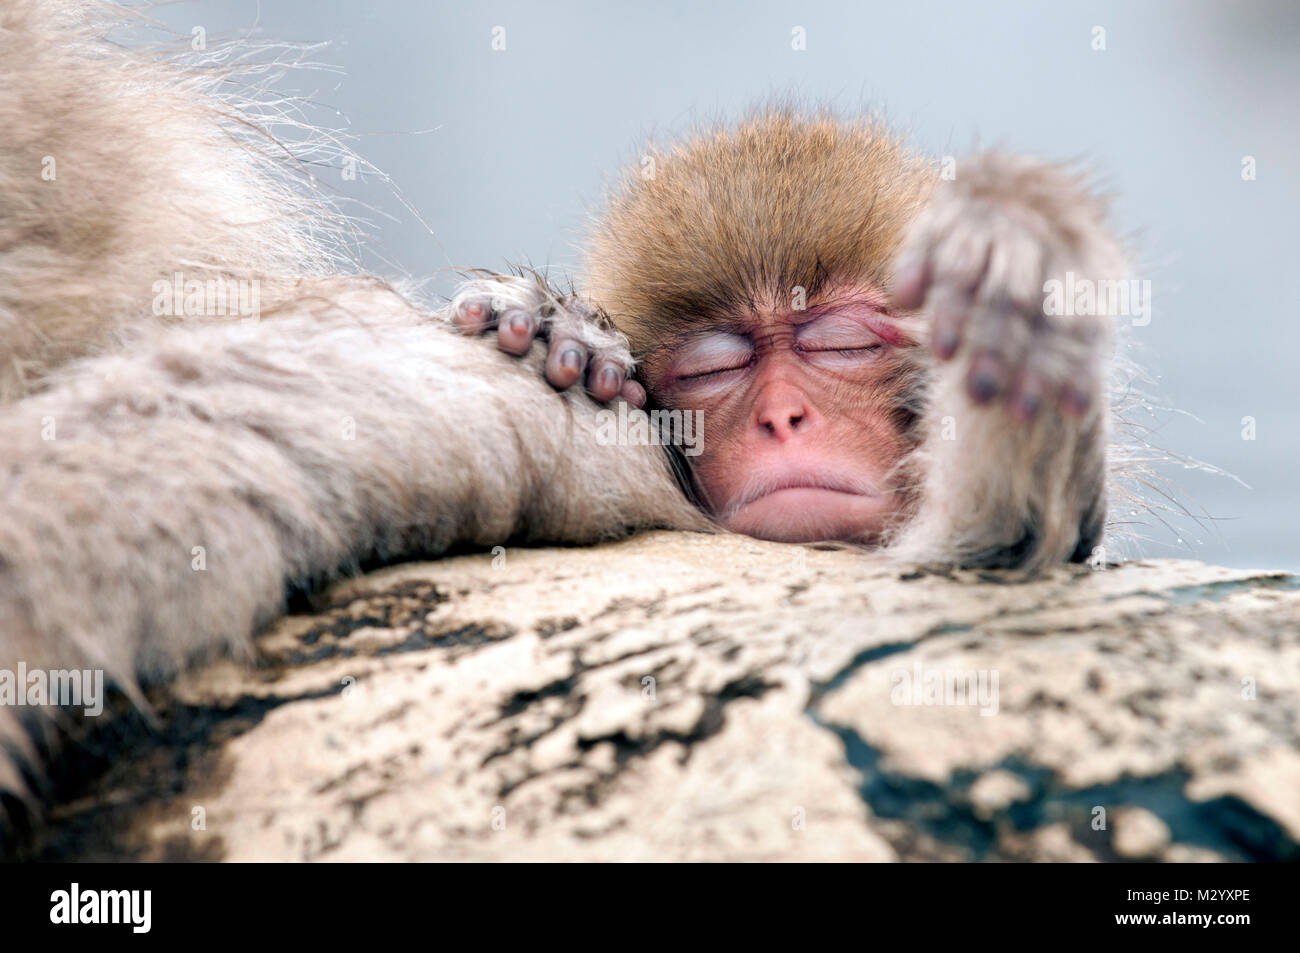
(350, 424)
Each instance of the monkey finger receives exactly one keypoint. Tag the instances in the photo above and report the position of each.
(961, 259)
(987, 376)
(1074, 400)
(472, 317)
(1028, 396)
(633, 393)
(950, 310)
(565, 363)
(911, 283)
(604, 380)
(516, 331)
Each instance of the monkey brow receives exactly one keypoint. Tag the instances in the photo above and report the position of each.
(740, 314)
(852, 307)
(812, 313)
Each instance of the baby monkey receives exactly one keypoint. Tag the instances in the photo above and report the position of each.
(868, 343)
(866, 340)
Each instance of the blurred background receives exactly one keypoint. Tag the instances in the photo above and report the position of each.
(501, 155)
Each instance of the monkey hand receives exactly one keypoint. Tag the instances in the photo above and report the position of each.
(980, 257)
(581, 342)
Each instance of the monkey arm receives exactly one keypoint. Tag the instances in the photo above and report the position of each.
(1012, 459)
(155, 504)
(996, 491)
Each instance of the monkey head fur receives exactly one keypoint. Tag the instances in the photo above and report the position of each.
(784, 212)
(739, 215)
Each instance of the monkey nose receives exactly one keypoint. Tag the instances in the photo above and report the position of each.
(782, 418)
(782, 429)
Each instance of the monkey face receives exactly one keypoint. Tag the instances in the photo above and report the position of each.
(801, 414)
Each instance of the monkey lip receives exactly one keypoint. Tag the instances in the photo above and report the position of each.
(808, 481)
(810, 507)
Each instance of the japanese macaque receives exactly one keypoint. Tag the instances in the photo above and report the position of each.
(867, 343)
(869, 350)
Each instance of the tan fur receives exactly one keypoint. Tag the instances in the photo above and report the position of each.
(157, 168)
(735, 215)
(350, 423)
(736, 218)
(1004, 492)
(345, 425)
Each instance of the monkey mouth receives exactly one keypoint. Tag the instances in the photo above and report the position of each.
(828, 482)
(803, 507)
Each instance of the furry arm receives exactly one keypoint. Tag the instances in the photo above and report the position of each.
(155, 504)
(1015, 419)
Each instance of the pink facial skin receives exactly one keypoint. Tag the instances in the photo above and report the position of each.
(801, 417)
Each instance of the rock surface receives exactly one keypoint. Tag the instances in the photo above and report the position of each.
(684, 697)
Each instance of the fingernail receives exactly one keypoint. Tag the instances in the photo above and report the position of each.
(909, 282)
(946, 342)
(521, 323)
(571, 359)
(1076, 401)
(983, 387)
(609, 380)
(1029, 404)
(633, 393)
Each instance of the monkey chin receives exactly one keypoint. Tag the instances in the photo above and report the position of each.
(809, 514)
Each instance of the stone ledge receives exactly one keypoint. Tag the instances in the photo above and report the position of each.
(686, 697)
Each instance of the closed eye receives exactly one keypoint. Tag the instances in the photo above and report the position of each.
(712, 355)
(705, 375)
(847, 351)
(839, 339)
